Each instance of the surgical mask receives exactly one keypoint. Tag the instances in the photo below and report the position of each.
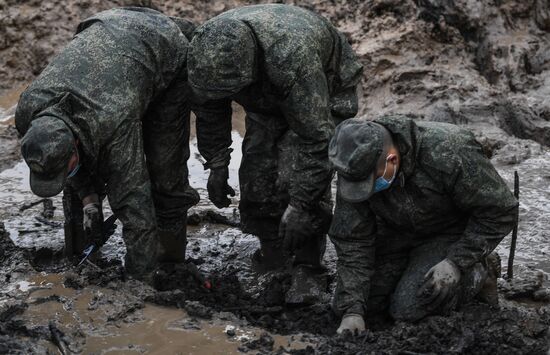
(381, 184)
(74, 171)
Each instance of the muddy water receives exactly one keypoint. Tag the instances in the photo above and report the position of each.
(146, 329)
(8, 101)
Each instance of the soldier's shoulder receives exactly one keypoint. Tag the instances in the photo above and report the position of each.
(444, 147)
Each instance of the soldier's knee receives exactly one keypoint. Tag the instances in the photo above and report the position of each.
(404, 306)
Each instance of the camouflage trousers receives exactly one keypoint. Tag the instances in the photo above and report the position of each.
(400, 266)
(164, 141)
(166, 146)
(264, 176)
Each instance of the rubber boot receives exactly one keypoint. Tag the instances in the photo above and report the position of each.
(489, 292)
(309, 278)
(173, 243)
(270, 256)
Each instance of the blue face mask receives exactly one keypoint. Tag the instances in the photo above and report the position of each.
(381, 184)
(74, 171)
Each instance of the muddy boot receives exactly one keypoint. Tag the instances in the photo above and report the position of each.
(309, 277)
(270, 256)
(173, 242)
(308, 285)
(488, 293)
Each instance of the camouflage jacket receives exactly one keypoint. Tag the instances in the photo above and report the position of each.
(307, 75)
(446, 186)
(101, 85)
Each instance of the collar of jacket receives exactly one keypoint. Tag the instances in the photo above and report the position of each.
(405, 132)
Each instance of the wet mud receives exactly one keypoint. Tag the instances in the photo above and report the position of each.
(483, 65)
(55, 305)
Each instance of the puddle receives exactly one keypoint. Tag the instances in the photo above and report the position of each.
(8, 101)
(148, 328)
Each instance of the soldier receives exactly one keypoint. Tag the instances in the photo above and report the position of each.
(114, 96)
(427, 202)
(295, 75)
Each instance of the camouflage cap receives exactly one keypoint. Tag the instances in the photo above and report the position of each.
(355, 151)
(47, 147)
(221, 59)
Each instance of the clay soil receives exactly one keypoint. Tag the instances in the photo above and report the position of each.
(481, 64)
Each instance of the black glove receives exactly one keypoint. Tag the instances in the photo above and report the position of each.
(218, 189)
(296, 228)
(96, 230)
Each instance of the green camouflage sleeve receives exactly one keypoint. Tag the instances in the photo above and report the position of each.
(476, 187)
(214, 132)
(306, 109)
(353, 233)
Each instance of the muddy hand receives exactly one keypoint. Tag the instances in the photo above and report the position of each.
(440, 284)
(352, 322)
(93, 223)
(296, 228)
(218, 189)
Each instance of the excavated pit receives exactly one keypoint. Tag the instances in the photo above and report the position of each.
(480, 64)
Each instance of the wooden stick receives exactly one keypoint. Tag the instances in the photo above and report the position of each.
(510, 271)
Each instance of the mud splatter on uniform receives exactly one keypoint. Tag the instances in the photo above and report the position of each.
(304, 79)
(120, 85)
(447, 201)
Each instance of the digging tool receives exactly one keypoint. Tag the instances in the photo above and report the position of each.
(90, 249)
(28, 205)
(510, 271)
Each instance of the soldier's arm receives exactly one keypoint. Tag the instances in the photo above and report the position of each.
(214, 132)
(478, 189)
(306, 109)
(353, 233)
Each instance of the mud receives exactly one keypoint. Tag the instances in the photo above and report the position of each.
(481, 64)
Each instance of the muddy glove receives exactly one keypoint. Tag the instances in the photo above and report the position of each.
(352, 322)
(440, 284)
(93, 224)
(296, 227)
(218, 189)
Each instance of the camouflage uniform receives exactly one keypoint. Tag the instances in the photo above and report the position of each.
(305, 80)
(120, 85)
(447, 201)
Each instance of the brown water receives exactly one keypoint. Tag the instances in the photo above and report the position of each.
(151, 329)
(9, 98)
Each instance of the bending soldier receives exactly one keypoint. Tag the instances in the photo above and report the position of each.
(295, 75)
(111, 112)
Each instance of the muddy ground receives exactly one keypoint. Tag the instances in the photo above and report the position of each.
(482, 64)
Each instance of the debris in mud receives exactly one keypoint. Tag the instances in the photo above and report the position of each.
(211, 216)
(524, 287)
(196, 309)
(58, 338)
